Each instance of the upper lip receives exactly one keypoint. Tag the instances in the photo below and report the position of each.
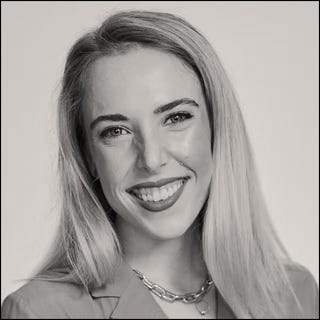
(156, 184)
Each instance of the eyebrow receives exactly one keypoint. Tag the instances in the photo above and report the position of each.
(175, 103)
(161, 109)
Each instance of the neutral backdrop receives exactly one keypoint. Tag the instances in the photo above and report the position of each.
(270, 51)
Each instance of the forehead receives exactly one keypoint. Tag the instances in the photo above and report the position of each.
(140, 78)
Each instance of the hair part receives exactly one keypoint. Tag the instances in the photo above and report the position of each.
(236, 225)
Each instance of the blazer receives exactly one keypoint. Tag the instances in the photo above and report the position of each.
(126, 297)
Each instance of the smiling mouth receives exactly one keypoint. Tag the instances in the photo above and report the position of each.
(159, 198)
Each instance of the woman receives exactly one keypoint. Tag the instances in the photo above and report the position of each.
(162, 215)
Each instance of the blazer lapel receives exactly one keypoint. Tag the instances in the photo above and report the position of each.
(134, 299)
(136, 302)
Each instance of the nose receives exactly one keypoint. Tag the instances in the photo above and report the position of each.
(151, 153)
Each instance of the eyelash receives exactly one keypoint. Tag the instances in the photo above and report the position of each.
(107, 133)
(183, 116)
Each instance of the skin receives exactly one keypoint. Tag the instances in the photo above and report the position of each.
(149, 147)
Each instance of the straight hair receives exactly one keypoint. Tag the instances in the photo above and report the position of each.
(241, 249)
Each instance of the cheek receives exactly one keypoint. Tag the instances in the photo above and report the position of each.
(111, 164)
(193, 148)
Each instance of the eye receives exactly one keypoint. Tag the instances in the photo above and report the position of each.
(113, 132)
(178, 117)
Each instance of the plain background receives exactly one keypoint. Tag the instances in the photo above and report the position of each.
(270, 51)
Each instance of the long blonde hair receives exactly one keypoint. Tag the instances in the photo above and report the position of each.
(241, 249)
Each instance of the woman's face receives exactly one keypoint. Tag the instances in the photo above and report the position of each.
(150, 140)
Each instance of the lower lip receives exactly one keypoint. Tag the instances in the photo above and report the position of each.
(162, 204)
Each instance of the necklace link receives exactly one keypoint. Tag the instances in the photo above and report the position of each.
(159, 291)
(148, 283)
(192, 297)
(171, 297)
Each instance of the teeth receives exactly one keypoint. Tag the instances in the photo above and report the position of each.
(175, 188)
(157, 194)
(170, 191)
(164, 194)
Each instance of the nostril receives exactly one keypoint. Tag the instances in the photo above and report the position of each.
(151, 160)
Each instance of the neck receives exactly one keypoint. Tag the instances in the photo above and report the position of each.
(175, 264)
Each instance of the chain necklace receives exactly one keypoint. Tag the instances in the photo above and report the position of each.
(192, 297)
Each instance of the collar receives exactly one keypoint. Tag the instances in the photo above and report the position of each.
(135, 300)
(121, 280)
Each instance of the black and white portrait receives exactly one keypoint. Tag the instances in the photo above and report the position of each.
(160, 159)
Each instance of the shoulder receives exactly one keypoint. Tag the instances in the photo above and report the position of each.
(301, 279)
(305, 288)
(46, 299)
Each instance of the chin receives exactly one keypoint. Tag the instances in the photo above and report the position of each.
(168, 229)
(166, 234)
